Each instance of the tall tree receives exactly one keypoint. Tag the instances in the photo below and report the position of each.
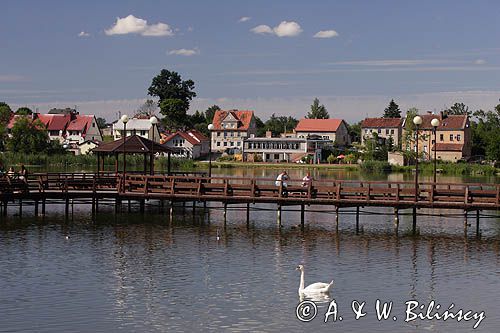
(392, 111)
(354, 131)
(24, 111)
(458, 109)
(485, 134)
(5, 113)
(28, 137)
(317, 111)
(174, 96)
(101, 122)
(260, 126)
(280, 124)
(210, 112)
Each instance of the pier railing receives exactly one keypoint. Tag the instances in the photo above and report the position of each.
(238, 189)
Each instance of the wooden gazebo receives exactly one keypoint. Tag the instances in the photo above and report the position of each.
(133, 144)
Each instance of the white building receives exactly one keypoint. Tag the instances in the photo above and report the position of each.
(190, 144)
(141, 127)
(231, 128)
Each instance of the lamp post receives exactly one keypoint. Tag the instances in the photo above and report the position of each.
(124, 120)
(435, 124)
(153, 120)
(417, 120)
(210, 129)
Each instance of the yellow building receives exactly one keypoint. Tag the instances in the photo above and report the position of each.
(453, 136)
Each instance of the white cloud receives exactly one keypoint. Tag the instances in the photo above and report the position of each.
(135, 25)
(185, 52)
(326, 34)
(262, 29)
(480, 62)
(284, 29)
(287, 29)
(244, 19)
(83, 34)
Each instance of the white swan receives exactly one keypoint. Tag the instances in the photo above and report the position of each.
(315, 288)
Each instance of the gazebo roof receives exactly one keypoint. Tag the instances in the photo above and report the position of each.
(133, 144)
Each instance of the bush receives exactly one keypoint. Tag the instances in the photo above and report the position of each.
(376, 166)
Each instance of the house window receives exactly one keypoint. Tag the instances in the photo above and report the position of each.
(239, 143)
(218, 133)
(386, 131)
(441, 137)
(451, 137)
(366, 131)
(93, 124)
(379, 131)
(225, 144)
(392, 131)
(458, 137)
(218, 143)
(276, 156)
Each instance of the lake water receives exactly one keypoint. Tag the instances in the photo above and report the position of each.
(129, 272)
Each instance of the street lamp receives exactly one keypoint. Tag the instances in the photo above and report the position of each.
(210, 129)
(435, 124)
(153, 120)
(417, 120)
(124, 120)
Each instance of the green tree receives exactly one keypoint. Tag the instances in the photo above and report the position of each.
(486, 134)
(317, 111)
(354, 131)
(281, 124)
(5, 113)
(174, 96)
(458, 109)
(28, 137)
(392, 111)
(24, 111)
(409, 129)
(101, 122)
(260, 126)
(210, 112)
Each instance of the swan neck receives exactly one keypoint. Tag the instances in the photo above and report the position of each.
(301, 280)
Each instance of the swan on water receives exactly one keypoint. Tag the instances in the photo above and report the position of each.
(315, 288)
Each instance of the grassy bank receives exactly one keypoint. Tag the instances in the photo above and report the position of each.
(232, 164)
(427, 168)
(9, 159)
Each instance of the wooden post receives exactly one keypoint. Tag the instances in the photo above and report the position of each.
(225, 213)
(477, 223)
(357, 220)
(66, 208)
(129, 208)
(36, 207)
(302, 216)
(466, 223)
(337, 218)
(414, 226)
(20, 207)
(4, 207)
(194, 207)
(248, 214)
(43, 206)
(278, 216)
(142, 204)
(171, 210)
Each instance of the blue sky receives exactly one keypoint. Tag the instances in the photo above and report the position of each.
(260, 55)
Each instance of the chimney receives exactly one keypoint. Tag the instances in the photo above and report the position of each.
(269, 134)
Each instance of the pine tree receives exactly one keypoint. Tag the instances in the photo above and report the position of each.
(392, 111)
(317, 111)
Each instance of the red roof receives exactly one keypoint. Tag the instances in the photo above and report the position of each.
(453, 122)
(193, 136)
(318, 125)
(55, 122)
(449, 147)
(381, 122)
(244, 119)
(80, 123)
(12, 121)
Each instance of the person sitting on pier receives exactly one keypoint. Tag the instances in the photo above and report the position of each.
(307, 180)
(281, 180)
(23, 173)
(11, 172)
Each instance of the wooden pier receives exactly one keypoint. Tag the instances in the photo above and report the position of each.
(41, 189)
